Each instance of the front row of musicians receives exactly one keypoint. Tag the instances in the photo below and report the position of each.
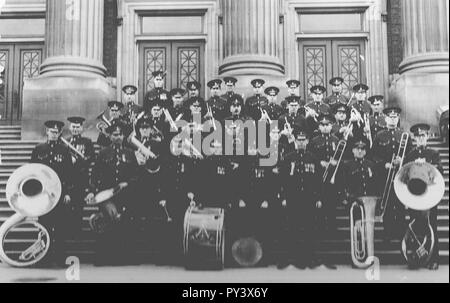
(156, 184)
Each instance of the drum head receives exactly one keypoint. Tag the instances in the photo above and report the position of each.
(247, 252)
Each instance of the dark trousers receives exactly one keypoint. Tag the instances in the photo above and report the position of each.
(394, 219)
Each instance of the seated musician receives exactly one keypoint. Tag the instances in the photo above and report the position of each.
(421, 154)
(300, 181)
(115, 168)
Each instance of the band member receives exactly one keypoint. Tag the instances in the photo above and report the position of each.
(254, 103)
(293, 120)
(316, 108)
(115, 109)
(361, 104)
(421, 154)
(178, 108)
(359, 176)
(341, 112)
(300, 192)
(230, 84)
(378, 119)
(273, 109)
(293, 90)
(193, 88)
(216, 104)
(115, 167)
(82, 161)
(336, 97)
(132, 110)
(158, 92)
(57, 156)
(324, 148)
(384, 153)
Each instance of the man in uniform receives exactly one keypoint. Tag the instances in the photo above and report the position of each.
(131, 109)
(378, 119)
(300, 192)
(293, 90)
(216, 104)
(316, 108)
(324, 148)
(384, 153)
(158, 92)
(82, 161)
(115, 168)
(58, 222)
(293, 121)
(341, 126)
(423, 154)
(359, 175)
(361, 104)
(273, 109)
(230, 84)
(193, 88)
(115, 109)
(336, 97)
(178, 108)
(254, 103)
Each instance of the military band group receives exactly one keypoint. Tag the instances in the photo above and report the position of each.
(328, 153)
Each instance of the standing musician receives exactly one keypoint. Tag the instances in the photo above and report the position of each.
(361, 104)
(378, 119)
(384, 152)
(341, 114)
(115, 109)
(230, 84)
(360, 112)
(359, 175)
(272, 108)
(132, 110)
(324, 148)
(115, 168)
(423, 154)
(293, 91)
(336, 98)
(57, 156)
(293, 120)
(178, 108)
(254, 103)
(216, 104)
(83, 155)
(300, 181)
(158, 92)
(316, 108)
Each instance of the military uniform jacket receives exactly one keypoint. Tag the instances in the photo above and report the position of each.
(377, 123)
(431, 156)
(336, 129)
(386, 144)
(363, 107)
(56, 156)
(114, 165)
(336, 99)
(299, 174)
(81, 167)
(359, 178)
(253, 105)
(228, 96)
(274, 111)
(104, 141)
(219, 108)
(158, 93)
(323, 146)
(131, 113)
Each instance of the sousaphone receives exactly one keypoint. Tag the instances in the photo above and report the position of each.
(420, 187)
(33, 190)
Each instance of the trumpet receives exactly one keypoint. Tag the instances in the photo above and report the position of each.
(393, 172)
(170, 119)
(104, 123)
(73, 149)
(369, 132)
(265, 115)
(311, 112)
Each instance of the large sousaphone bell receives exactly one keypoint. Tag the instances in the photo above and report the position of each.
(33, 190)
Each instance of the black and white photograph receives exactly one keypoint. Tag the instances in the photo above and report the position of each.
(224, 146)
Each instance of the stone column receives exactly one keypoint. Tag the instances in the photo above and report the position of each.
(251, 39)
(72, 77)
(423, 83)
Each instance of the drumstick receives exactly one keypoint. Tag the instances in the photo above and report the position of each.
(169, 219)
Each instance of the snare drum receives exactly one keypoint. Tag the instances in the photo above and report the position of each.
(204, 238)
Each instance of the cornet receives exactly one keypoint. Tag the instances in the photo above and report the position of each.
(73, 149)
(369, 132)
(265, 115)
(104, 123)
(210, 113)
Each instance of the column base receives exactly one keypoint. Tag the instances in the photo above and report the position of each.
(425, 63)
(251, 64)
(66, 66)
(56, 98)
(420, 95)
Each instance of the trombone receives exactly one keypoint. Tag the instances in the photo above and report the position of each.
(73, 149)
(393, 172)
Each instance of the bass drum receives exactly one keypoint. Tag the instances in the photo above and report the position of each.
(204, 238)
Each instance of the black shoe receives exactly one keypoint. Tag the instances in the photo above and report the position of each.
(433, 266)
(282, 265)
